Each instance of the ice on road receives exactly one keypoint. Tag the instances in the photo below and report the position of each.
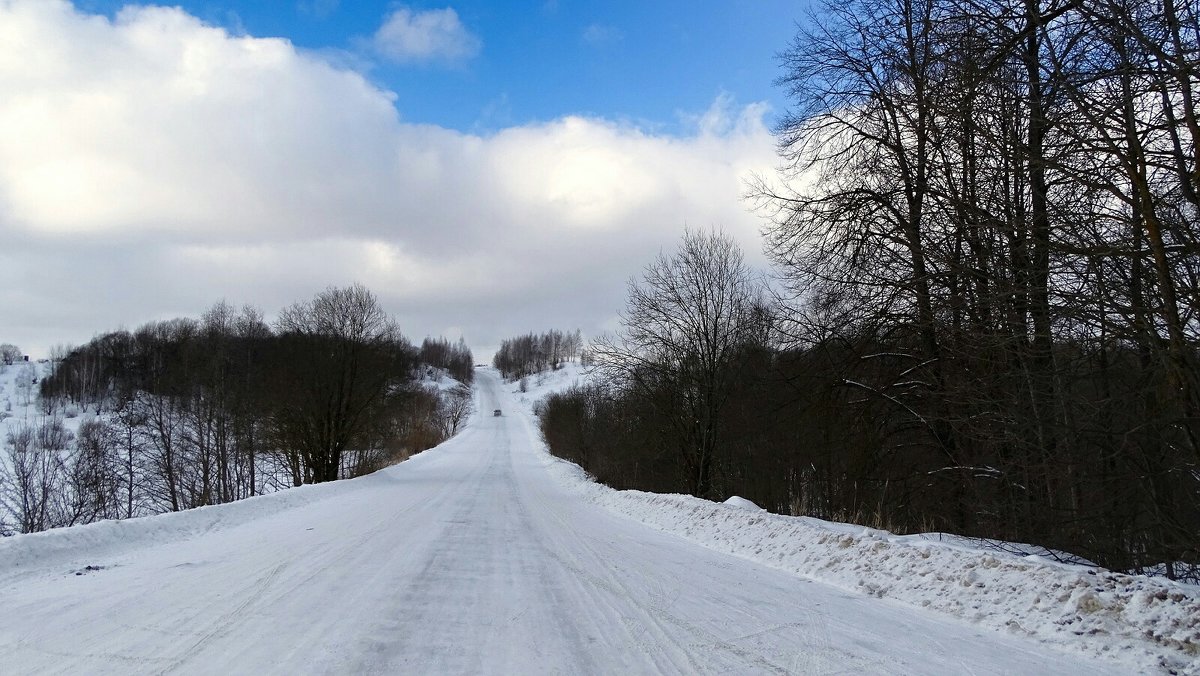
(469, 558)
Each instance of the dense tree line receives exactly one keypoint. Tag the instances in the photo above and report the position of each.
(533, 353)
(184, 413)
(455, 358)
(1000, 211)
(985, 236)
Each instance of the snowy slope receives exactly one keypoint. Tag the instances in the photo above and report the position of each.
(474, 557)
(19, 394)
(21, 405)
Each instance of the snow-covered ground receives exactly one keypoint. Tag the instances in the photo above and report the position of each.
(484, 555)
(1143, 622)
(21, 407)
(19, 402)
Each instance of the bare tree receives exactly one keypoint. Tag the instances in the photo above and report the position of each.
(36, 493)
(457, 408)
(95, 473)
(685, 322)
(988, 222)
(9, 353)
(353, 357)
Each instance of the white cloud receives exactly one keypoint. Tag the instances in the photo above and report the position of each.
(150, 165)
(407, 36)
(318, 9)
(725, 117)
(598, 34)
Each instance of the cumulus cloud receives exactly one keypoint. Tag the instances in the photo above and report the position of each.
(151, 164)
(407, 36)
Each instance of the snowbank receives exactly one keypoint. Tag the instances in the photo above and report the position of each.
(97, 540)
(742, 503)
(1148, 623)
(1144, 620)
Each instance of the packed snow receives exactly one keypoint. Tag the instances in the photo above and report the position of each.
(742, 503)
(487, 555)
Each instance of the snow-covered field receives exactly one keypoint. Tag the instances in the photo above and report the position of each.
(487, 555)
(1145, 622)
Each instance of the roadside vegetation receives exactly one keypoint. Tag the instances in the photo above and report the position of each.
(983, 313)
(185, 413)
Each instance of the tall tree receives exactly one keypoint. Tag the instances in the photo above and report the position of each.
(686, 320)
(353, 358)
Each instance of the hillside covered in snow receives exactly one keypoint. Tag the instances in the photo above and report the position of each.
(191, 413)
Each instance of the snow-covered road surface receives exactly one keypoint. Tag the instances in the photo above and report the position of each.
(470, 558)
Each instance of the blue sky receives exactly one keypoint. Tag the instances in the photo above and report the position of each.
(651, 63)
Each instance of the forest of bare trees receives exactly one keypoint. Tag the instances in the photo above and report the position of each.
(533, 353)
(984, 235)
(185, 413)
(455, 358)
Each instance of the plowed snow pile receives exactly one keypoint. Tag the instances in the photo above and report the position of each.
(1146, 622)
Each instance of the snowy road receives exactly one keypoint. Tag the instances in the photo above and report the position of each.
(470, 558)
